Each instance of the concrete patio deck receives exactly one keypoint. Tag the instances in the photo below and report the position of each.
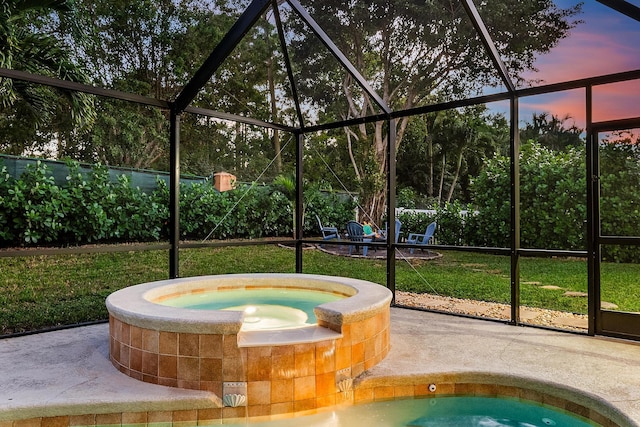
(67, 372)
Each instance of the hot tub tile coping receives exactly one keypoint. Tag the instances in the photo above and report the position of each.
(133, 306)
(305, 335)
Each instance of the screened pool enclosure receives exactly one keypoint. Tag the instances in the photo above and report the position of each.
(355, 75)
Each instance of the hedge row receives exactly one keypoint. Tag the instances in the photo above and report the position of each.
(553, 209)
(92, 208)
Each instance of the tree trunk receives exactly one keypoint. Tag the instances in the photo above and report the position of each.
(350, 135)
(374, 204)
(431, 166)
(442, 173)
(455, 177)
(275, 139)
(238, 147)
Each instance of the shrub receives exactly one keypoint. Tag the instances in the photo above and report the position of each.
(86, 219)
(6, 206)
(552, 200)
(491, 225)
(36, 207)
(451, 220)
(334, 209)
(34, 210)
(620, 195)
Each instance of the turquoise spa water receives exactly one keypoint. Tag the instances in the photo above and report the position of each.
(437, 412)
(265, 309)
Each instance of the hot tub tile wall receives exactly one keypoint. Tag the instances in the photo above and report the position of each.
(279, 378)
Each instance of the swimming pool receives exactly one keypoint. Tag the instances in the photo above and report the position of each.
(449, 411)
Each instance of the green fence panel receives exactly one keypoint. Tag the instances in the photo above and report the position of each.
(144, 179)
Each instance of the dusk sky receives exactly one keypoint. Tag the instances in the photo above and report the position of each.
(606, 42)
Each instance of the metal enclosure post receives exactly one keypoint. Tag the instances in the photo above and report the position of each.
(593, 218)
(391, 208)
(515, 213)
(174, 195)
(287, 62)
(299, 201)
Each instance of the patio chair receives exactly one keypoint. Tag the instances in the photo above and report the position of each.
(398, 226)
(355, 234)
(328, 232)
(422, 239)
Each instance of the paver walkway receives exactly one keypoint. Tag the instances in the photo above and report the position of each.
(528, 315)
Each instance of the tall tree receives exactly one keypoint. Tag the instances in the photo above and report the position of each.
(126, 46)
(29, 114)
(153, 48)
(552, 132)
(413, 53)
(442, 150)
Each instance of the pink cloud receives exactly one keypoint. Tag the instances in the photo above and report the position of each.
(588, 54)
(610, 102)
(607, 42)
(560, 104)
(616, 101)
(585, 54)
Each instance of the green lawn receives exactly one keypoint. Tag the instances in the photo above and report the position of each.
(44, 291)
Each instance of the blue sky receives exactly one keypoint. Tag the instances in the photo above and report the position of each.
(606, 42)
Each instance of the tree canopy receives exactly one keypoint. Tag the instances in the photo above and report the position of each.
(442, 150)
(29, 113)
(410, 53)
(413, 53)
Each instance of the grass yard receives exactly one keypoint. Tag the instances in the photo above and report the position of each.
(45, 291)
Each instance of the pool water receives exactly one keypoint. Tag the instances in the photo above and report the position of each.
(438, 412)
(265, 309)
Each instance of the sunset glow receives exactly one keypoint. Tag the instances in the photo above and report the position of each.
(606, 42)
